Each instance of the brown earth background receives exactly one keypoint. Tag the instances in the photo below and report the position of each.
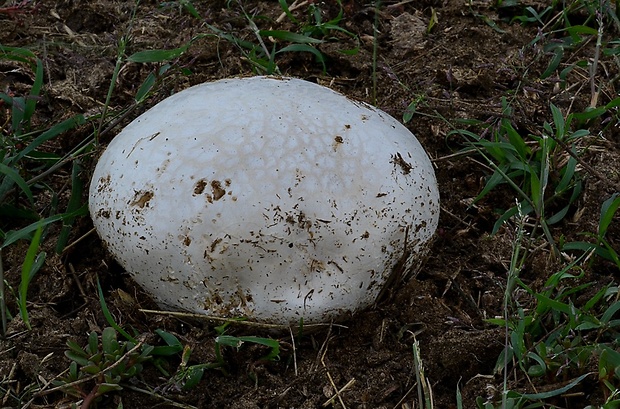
(456, 59)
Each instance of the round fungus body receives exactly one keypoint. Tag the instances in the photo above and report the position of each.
(269, 198)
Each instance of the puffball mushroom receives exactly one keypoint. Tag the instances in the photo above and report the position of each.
(269, 198)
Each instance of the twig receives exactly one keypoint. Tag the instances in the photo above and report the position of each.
(323, 348)
(19, 8)
(82, 237)
(345, 387)
(47, 383)
(256, 31)
(331, 380)
(375, 48)
(593, 68)
(151, 393)
(294, 350)
(398, 405)
(611, 185)
(77, 281)
(399, 4)
(292, 7)
(464, 152)
(6, 381)
(118, 120)
(233, 320)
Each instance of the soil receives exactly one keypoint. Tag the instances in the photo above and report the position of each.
(458, 59)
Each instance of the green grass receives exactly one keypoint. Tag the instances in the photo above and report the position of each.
(107, 364)
(266, 46)
(600, 244)
(540, 168)
(26, 163)
(424, 386)
(550, 338)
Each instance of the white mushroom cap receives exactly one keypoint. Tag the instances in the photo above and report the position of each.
(269, 198)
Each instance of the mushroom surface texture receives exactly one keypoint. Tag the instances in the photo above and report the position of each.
(269, 198)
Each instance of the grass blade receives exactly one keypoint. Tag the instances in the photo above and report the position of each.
(550, 394)
(289, 36)
(31, 102)
(75, 202)
(32, 264)
(305, 48)
(24, 233)
(14, 176)
(108, 315)
(54, 131)
(608, 210)
(157, 55)
(286, 10)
